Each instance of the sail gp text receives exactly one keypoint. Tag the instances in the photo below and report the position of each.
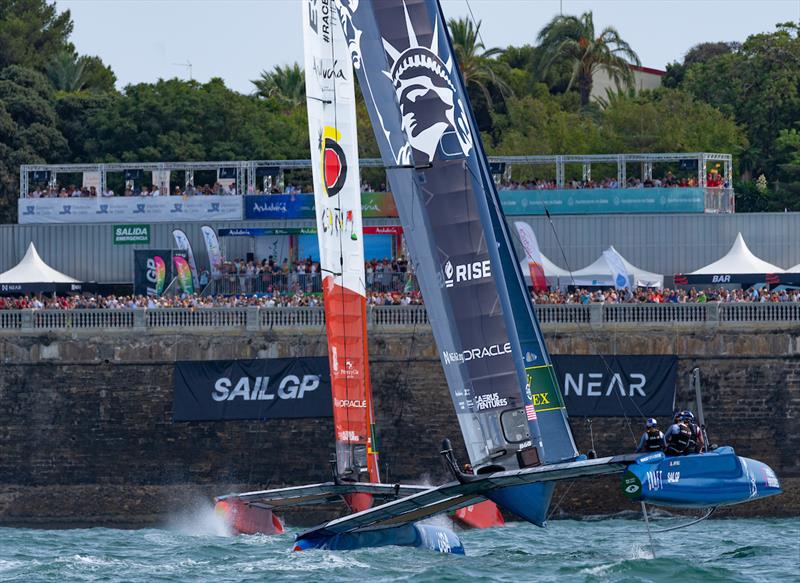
(451, 357)
(289, 387)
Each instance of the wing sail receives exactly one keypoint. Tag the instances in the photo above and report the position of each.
(337, 199)
(427, 137)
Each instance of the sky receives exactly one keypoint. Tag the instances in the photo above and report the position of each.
(144, 40)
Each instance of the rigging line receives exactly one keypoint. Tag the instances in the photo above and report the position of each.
(475, 22)
(560, 500)
(592, 334)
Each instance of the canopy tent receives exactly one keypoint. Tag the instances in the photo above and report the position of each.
(32, 274)
(738, 266)
(599, 274)
(551, 270)
(795, 269)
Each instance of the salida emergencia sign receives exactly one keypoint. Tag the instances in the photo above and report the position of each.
(131, 234)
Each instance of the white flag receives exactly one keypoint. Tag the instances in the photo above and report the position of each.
(619, 273)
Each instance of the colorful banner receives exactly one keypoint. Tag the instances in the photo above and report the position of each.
(277, 388)
(130, 209)
(183, 243)
(183, 273)
(213, 249)
(152, 271)
(528, 239)
(301, 206)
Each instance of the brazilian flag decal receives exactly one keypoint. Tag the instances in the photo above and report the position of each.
(543, 390)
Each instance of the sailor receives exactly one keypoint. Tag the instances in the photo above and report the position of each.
(678, 437)
(696, 444)
(652, 439)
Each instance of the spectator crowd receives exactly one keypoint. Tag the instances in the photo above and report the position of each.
(388, 298)
(713, 180)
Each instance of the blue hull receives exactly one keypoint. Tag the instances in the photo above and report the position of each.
(716, 478)
(530, 502)
(424, 536)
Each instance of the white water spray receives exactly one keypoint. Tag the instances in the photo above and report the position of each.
(199, 519)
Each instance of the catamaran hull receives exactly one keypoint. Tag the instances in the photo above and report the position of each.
(424, 536)
(717, 478)
(242, 518)
(481, 515)
(530, 501)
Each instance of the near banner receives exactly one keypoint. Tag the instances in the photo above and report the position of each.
(637, 386)
(278, 388)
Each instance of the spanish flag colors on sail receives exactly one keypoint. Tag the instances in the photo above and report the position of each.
(330, 96)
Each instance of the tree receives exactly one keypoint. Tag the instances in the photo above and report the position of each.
(476, 61)
(287, 85)
(28, 131)
(71, 73)
(32, 32)
(757, 84)
(699, 53)
(572, 40)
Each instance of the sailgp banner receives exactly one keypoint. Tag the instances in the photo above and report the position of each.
(616, 386)
(277, 388)
(129, 209)
(152, 271)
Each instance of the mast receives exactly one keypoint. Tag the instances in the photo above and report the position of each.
(330, 97)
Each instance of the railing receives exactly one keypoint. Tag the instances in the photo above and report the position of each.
(777, 312)
(592, 316)
(81, 319)
(203, 318)
(656, 313)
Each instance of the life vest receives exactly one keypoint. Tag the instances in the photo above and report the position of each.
(679, 442)
(654, 441)
(691, 447)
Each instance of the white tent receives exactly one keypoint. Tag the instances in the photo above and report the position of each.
(795, 269)
(738, 260)
(599, 274)
(31, 269)
(550, 270)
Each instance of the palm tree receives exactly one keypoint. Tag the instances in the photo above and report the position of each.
(475, 60)
(573, 40)
(286, 84)
(67, 72)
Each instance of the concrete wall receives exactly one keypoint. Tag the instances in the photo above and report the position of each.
(86, 435)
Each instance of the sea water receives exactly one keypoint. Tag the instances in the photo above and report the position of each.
(611, 549)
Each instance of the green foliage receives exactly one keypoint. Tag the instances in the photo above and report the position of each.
(286, 85)
(57, 106)
(182, 120)
(71, 73)
(32, 32)
(572, 41)
(477, 63)
(28, 131)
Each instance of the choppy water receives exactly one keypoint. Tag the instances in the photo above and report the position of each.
(198, 549)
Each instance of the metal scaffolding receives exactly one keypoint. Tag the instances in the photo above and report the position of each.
(247, 171)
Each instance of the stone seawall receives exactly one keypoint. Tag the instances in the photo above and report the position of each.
(86, 435)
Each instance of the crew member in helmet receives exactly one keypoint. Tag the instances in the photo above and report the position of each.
(696, 444)
(652, 439)
(678, 437)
